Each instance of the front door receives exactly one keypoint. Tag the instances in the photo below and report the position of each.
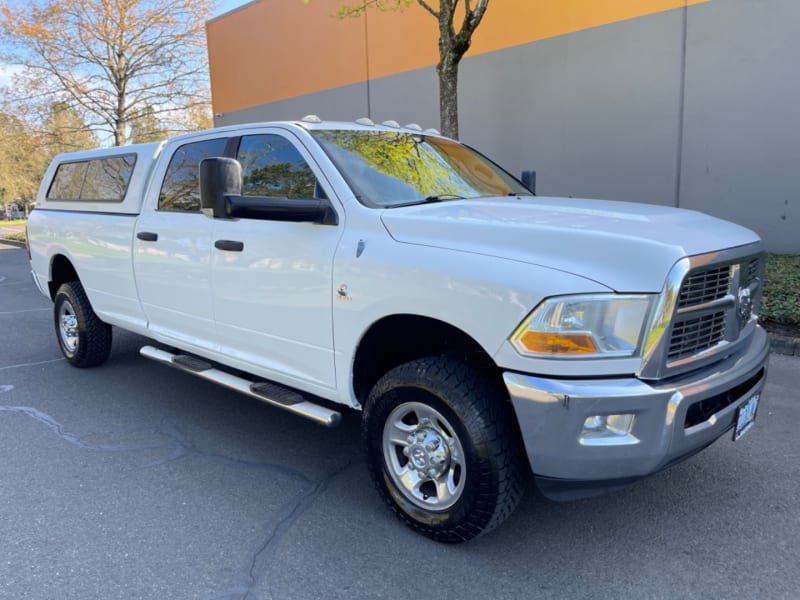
(272, 285)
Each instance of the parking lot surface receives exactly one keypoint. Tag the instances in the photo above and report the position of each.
(134, 480)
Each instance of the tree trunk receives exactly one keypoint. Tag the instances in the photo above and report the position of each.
(448, 96)
(120, 121)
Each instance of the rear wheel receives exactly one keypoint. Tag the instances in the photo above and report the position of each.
(442, 448)
(84, 339)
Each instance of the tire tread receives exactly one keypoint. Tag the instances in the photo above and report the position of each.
(94, 343)
(482, 408)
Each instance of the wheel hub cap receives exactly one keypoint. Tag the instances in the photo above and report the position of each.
(423, 456)
(68, 327)
(427, 453)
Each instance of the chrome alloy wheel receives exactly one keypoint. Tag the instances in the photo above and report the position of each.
(68, 326)
(424, 456)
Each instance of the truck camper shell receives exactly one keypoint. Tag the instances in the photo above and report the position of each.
(107, 180)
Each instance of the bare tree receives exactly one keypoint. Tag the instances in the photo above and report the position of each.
(453, 44)
(117, 61)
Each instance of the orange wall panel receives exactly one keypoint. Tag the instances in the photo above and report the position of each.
(275, 49)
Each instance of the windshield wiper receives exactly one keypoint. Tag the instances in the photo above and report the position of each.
(429, 200)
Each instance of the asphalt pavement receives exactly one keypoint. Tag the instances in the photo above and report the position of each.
(133, 480)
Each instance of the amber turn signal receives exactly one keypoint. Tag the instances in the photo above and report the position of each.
(544, 342)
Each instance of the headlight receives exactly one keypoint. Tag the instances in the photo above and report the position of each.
(596, 326)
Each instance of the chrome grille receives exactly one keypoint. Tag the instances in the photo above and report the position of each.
(706, 311)
(696, 334)
(705, 285)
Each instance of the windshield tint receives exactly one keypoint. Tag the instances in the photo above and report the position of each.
(388, 168)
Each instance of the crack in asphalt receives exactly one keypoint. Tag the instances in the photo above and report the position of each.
(32, 364)
(27, 310)
(278, 527)
(180, 445)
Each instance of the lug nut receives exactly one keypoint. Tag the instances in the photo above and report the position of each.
(405, 451)
(420, 436)
(431, 472)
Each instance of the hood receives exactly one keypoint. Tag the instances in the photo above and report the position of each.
(626, 246)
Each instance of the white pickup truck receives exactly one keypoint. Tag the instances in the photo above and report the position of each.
(482, 331)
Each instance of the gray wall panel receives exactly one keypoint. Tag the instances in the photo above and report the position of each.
(741, 153)
(595, 112)
(411, 97)
(333, 105)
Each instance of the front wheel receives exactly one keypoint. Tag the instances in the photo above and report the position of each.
(442, 448)
(84, 339)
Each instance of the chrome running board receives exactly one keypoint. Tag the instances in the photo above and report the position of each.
(268, 392)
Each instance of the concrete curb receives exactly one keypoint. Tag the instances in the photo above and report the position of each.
(783, 344)
(12, 243)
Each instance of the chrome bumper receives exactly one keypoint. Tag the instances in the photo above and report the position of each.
(551, 415)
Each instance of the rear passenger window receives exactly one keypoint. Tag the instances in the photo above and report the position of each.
(107, 178)
(272, 166)
(68, 181)
(94, 180)
(180, 190)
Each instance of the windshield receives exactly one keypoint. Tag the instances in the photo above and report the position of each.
(392, 168)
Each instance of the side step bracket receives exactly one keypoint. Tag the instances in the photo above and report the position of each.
(271, 393)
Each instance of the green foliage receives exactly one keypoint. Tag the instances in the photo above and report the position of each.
(64, 130)
(17, 237)
(147, 128)
(781, 301)
(414, 165)
(281, 179)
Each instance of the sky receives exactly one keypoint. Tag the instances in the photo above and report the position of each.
(224, 6)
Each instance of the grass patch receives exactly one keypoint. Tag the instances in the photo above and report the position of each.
(781, 301)
(16, 222)
(18, 237)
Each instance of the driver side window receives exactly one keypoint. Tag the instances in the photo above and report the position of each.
(272, 166)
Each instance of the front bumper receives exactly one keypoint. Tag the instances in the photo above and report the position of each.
(551, 414)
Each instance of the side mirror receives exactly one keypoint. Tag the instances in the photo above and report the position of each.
(219, 177)
(529, 180)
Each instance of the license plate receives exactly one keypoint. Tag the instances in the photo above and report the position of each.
(746, 416)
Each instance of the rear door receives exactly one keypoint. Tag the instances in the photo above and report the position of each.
(172, 250)
(273, 296)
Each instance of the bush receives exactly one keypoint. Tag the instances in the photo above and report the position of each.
(781, 301)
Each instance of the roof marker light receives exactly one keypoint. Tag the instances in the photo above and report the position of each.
(311, 119)
(390, 123)
(413, 126)
(433, 131)
(365, 121)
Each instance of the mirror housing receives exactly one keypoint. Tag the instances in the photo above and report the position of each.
(271, 208)
(220, 178)
(221, 194)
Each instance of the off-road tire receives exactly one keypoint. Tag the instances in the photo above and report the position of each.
(481, 417)
(91, 343)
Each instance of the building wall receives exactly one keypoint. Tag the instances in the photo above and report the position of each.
(661, 101)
